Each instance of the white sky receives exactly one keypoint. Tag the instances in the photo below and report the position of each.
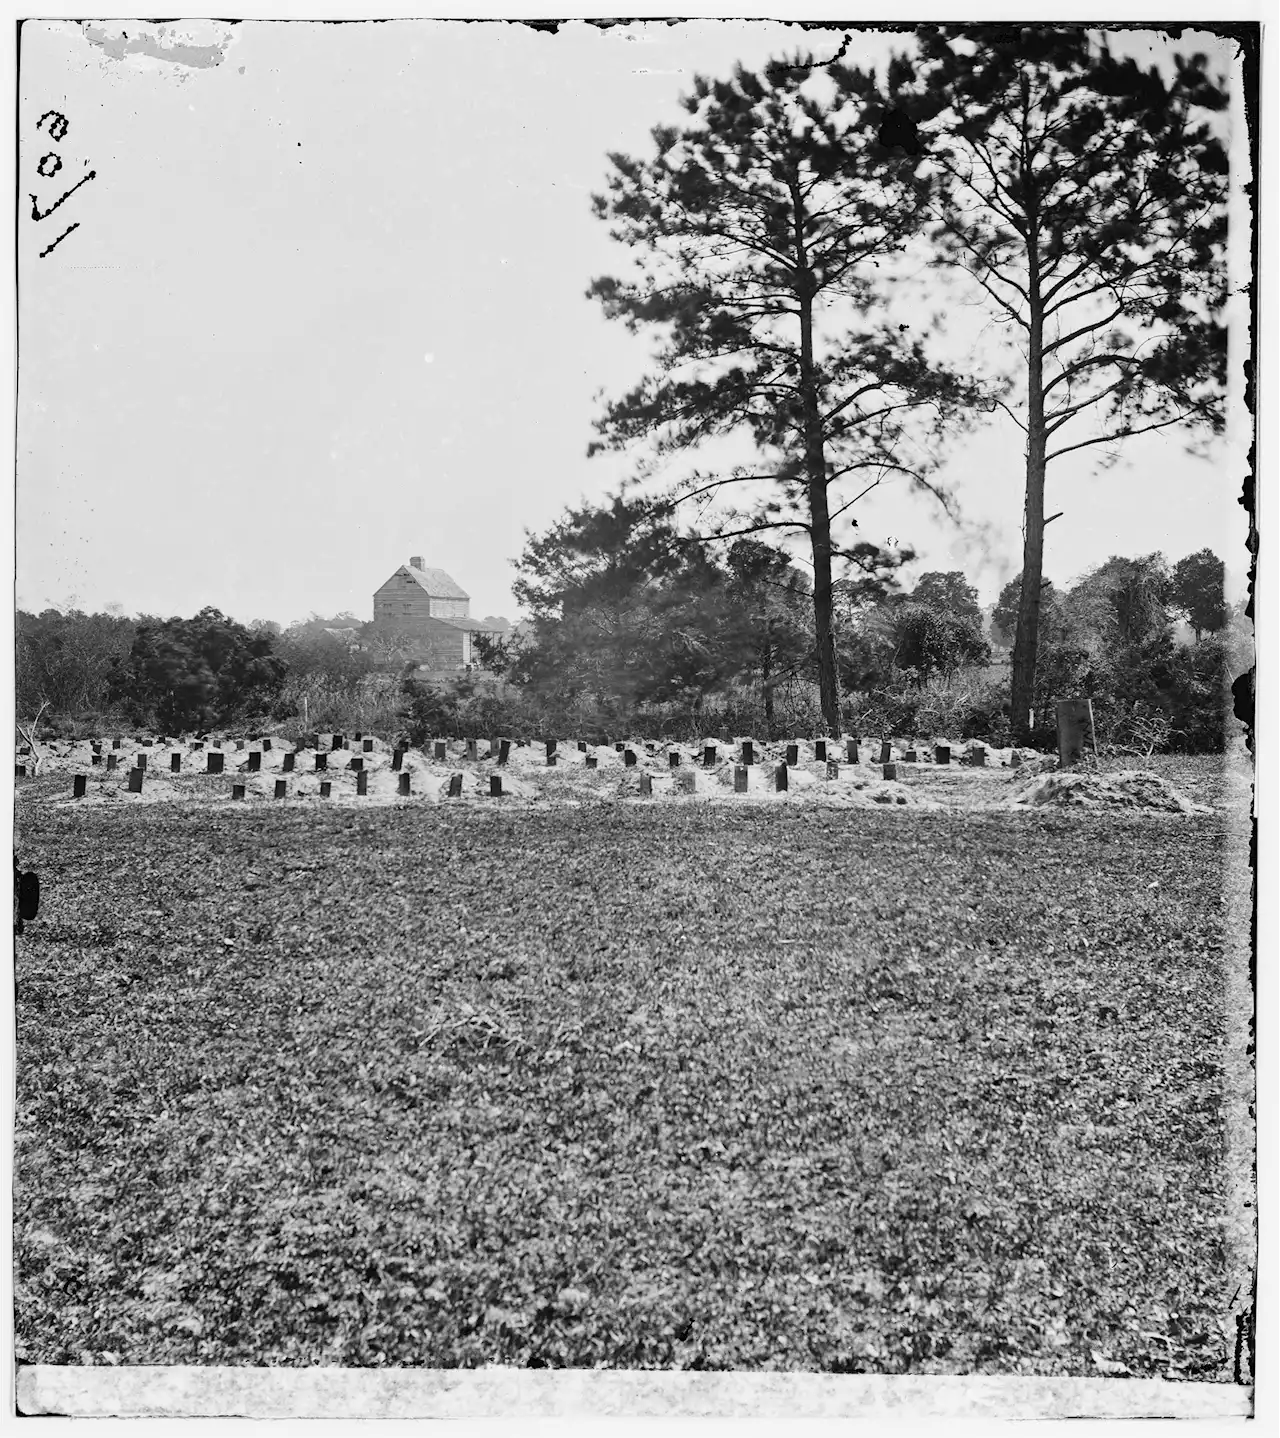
(325, 309)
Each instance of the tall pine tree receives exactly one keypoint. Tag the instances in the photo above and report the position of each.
(1086, 196)
(757, 232)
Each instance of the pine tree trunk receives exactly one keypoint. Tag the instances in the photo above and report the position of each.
(815, 467)
(766, 681)
(1027, 636)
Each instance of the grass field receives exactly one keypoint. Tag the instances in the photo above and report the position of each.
(695, 1088)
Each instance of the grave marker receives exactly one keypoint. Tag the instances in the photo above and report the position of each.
(851, 751)
(708, 756)
(890, 771)
(909, 757)
(94, 759)
(322, 761)
(115, 743)
(290, 761)
(582, 746)
(140, 761)
(255, 761)
(397, 759)
(820, 750)
(326, 788)
(978, 755)
(175, 763)
(213, 763)
(739, 778)
(495, 786)
(646, 784)
(592, 762)
(404, 784)
(833, 769)
(362, 782)
(473, 754)
(628, 758)
(135, 780)
(792, 755)
(77, 786)
(455, 785)
(781, 778)
(748, 752)
(237, 791)
(942, 753)
(1015, 760)
(367, 745)
(886, 751)
(1075, 727)
(551, 747)
(551, 761)
(504, 751)
(112, 761)
(282, 788)
(339, 741)
(439, 751)
(239, 745)
(673, 760)
(20, 771)
(357, 763)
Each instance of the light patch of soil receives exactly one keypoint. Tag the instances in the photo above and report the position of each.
(1085, 789)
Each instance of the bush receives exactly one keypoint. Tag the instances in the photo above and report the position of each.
(190, 673)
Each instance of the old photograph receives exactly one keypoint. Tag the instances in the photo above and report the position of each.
(635, 705)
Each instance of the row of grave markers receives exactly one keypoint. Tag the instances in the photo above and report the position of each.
(215, 762)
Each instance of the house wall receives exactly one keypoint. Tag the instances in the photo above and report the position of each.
(402, 598)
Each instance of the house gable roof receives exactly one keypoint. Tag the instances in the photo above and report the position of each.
(434, 581)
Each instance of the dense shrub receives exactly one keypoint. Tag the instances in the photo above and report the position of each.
(188, 673)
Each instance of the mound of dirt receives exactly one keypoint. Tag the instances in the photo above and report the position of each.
(1135, 789)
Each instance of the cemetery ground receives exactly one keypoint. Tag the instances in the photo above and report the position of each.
(852, 1090)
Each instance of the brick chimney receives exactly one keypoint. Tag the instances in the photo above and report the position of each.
(416, 562)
